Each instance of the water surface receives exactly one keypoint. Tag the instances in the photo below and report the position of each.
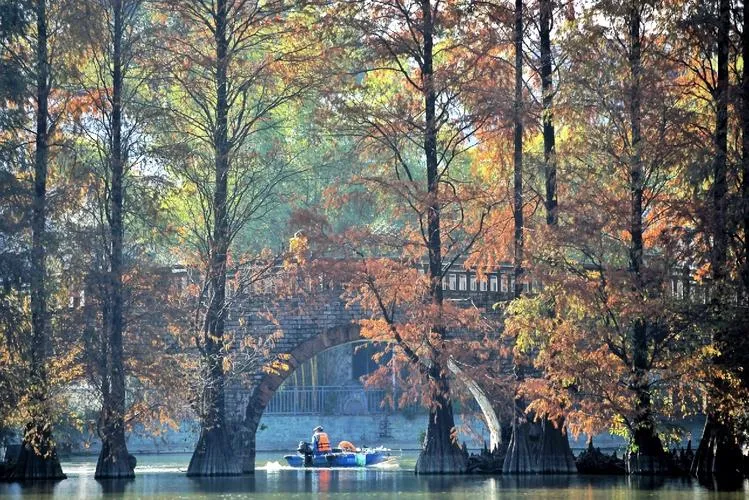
(162, 476)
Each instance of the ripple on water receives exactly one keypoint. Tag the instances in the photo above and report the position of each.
(162, 477)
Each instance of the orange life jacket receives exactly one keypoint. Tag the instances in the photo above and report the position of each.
(323, 443)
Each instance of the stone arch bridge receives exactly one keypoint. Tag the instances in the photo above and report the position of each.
(316, 322)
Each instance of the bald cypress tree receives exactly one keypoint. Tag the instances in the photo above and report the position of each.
(38, 457)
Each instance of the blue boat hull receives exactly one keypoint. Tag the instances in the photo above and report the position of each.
(341, 459)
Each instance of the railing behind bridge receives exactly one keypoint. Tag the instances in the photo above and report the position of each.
(327, 400)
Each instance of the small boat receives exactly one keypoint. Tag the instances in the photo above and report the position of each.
(339, 457)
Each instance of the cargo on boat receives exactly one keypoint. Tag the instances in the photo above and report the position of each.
(346, 456)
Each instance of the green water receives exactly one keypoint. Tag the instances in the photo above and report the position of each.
(162, 476)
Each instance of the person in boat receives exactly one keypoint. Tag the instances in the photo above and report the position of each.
(320, 441)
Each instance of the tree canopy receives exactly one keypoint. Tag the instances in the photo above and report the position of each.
(162, 158)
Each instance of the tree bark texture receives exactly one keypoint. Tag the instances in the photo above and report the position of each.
(547, 89)
(555, 455)
(518, 149)
(214, 455)
(719, 453)
(523, 448)
(745, 150)
(113, 459)
(440, 455)
(646, 455)
(38, 461)
(38, 458)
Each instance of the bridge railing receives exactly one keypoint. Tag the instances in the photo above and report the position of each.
(326, 400)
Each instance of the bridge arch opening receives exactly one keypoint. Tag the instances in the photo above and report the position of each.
(270, 383)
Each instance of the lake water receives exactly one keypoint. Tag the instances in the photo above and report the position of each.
(162, 477)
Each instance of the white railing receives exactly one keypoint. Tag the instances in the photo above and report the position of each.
(327, 400)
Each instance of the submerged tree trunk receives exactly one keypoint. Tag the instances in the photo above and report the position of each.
(555, 454)
(38, 458)
(519, 459)
(719, 453)
(214, 454)
(440, 454)
(646, 454)
(114, 459)
(522, 451)
(253, 414)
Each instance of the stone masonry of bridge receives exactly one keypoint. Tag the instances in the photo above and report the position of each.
(310, 325)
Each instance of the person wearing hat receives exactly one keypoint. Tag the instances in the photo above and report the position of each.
(320, 441)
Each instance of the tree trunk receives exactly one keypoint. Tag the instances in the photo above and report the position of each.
(214, 455)
(524, 447)
(636, 170)
(518, 148)
(114, 459)
(555, 455)
(720, 181)
(434, 242)
(646, 454)
(719, 453)
(547, 89)
(519, 459)
(745, 149)
(252, 417)
(439, 455)
(38, 458)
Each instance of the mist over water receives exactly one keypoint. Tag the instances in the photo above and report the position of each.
(163, 476)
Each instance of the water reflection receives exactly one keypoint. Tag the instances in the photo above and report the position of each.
(115, 486)
(358, 483)
(723, 483)
(212, 485)
(528, 481)
(34, 488)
